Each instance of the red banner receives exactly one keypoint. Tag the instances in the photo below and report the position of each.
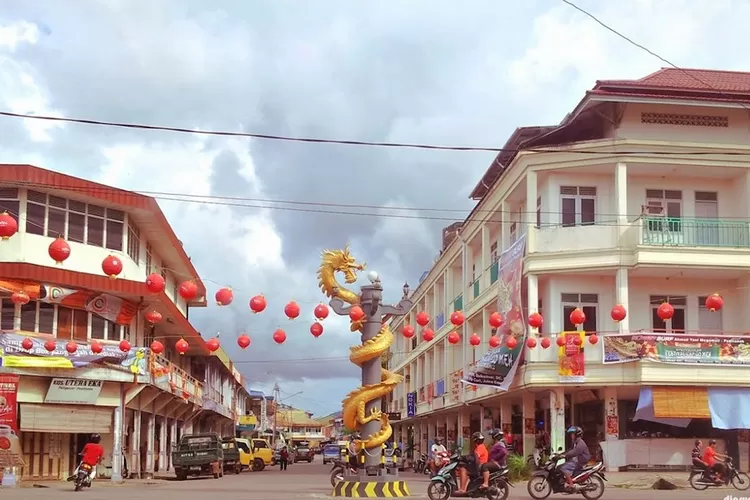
(8, 401)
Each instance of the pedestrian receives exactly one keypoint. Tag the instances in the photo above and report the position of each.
(284, 458)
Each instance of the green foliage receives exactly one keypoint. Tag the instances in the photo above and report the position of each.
(518, 468)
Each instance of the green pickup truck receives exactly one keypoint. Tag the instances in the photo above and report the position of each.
(199, 455)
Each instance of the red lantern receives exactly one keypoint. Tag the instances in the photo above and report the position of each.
(27, 343)
(243, 341)
(279, 336)
(258, 304)
(561, 340)
(20, 297)
(96, 347)
(153, 317)
(125, 346)
(618, 313)
(531, 342)
(224, 296)
(457, 318)
(495, 342)
(496, 320)
(423, 319)
(8, 226)
(71, 347)
(593, 339)
(321, 312)
(546, 343)
(112, 266)
(577, 340)
(213, 344)
(577, 317)
(59, 250)
(475, 339)
(316, 329)
(292, 310)
(536, 320)
(428, 335)
(454, 338)
(665, 311)
(188, 290)
(155, 283)
(50, 345)
(714, 302)
(356, 313)
(157, 347)
(181, 346)
(407, 331)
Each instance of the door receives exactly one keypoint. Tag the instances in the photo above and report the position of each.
(64, 323)
(707, 215)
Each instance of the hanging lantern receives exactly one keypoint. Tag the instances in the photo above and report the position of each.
(457, 318)
(224, 296)
(536, 320)
(356, 313)
(454, 338)
(243, 341)
(153, 317)
(157, 347)
(71, 347)
(495, 342)
(59, 250)
(188, 290)
(125, 346)
(423, 319)
(155, 283)
(50, 345)
(561, 340)
(531, 342)
(96, 347)
(112, 266)
(475, 339)
(512, 342)
(8, 226)
(320, 312)
(577, 317)
(279, 336)
(577, 340)
(714, 302)
(181, 346)
(545, 343)
(428, 335)
(213, 344)
(27, 343)
(407, 331)
(20, 297)
(593, 339)
(665, 311)
(258, 304)
(496, 320)
(292, 310)
(618, 313)
(316, 329)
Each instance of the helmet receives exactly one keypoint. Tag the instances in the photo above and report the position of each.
(96, 438)
(355, 436)
(477, 437)
(574, 429)
(438, 439)
(496, 434)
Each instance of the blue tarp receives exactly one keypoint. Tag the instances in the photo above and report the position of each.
(730, 407)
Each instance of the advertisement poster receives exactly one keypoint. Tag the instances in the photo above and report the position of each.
(613, 425)
(10, 445)
(570, 360)
(13, 355)
(456, 385)
(730, 350)
(411, 404)
(498, 366)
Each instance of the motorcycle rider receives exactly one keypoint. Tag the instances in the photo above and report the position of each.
(714, 460)
(497, 459)
(575, 458)
(353, 449)
(437, 451)
(93, 452)
(475, 461)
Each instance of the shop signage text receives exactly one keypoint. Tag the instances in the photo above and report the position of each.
(73, 391)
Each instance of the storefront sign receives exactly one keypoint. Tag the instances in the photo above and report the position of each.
(394, 416)
(570, 360)
(456, 385)
(730, 350)
(10, 445)
(411, 404)
(13, 355)
(247, 423)
(73, 391)
(498, 367)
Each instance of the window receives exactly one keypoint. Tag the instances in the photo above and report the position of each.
(664, 204)
(578, 205)
(493, 253)
(46, 318)
(7, 314)
(149, 259)
(134, 242)
(513, 235)
(57, 214)
(677, 323)
(9, 201)
(539, 212)
(115, 228)
(588, 303)
(708, 320)
(98, 327)
(76, 221)
(95, 225)
(36, 212)
(28, 317)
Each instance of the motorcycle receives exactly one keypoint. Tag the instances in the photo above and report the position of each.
(589, 482)
(421, 465)
(83, 475)
(339, 470)
(537, 458)
(444, 485)
(702, 478)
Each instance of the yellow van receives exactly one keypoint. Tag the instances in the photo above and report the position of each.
(246, 453)
(262, 454)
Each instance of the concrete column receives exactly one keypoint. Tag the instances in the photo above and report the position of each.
(530, 218)
(621, 295)
(621, 196)
(505, 231)
(150, 438)
(532, 299)
(557, 418)
(135, 444)
(506, 409)
(163, 444)
(117, 443)
(529, 423)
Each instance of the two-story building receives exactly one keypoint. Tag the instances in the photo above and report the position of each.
(638, 197)
(298, 425)
(78, 342)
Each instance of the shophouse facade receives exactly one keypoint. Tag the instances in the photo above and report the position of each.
(639, 197)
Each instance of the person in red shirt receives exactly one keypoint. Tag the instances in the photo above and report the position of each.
(93, 452)
(481, 456)
(711, 458)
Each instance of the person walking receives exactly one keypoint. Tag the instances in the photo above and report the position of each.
(284, 458)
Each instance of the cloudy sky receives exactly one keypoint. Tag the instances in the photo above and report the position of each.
(442, 72)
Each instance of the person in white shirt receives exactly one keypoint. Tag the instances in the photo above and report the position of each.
(437, 452)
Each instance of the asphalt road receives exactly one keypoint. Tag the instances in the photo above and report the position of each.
(299, 481)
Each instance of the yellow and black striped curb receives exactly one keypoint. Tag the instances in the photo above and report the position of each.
(370, 489)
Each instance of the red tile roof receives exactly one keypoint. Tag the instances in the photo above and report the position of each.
(687, 79)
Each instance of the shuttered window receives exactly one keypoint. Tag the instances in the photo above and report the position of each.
(73, 419)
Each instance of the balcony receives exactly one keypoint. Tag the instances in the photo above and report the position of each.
(682, 232)
(170, 378)
(554, 239)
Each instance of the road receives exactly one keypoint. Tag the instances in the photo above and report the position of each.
(300, 481)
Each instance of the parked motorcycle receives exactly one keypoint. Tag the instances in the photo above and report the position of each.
(83, 475)
(589, 482)
(338, 471)
(444, 485)
(701, 478)
(421, 464)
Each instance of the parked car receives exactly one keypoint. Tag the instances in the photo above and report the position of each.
(198, 455)
(232, 459)
(303, 454)
(263, 454)
(331, 453)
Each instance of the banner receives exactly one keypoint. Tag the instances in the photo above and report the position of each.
(684, 349)
(570, 361)
(13, 355)
(107, 306)
(498, 366)
(411, 404)
(10, 445)
(71, 391)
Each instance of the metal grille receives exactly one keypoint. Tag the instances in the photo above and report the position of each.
(685, 120)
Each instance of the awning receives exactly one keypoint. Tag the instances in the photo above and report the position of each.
(69, 419)
(681, 402)
(730, 407)
(645, 411)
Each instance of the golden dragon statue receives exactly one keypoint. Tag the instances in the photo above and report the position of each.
(353, 406)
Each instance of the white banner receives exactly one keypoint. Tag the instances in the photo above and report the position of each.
(73, 391)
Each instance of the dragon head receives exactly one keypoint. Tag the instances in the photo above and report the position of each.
(342, 261)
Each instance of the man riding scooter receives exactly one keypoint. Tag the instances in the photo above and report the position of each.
(476, 461)
(438, 454)
(353, 450)
(575, 458)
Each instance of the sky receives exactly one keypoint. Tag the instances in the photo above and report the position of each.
(434, 71)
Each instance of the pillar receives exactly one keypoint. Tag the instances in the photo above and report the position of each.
(532, 299)
(150, 438)
(172, 440)
(506, 219)
(163, 444)
(530, 218)
(135, 444)
(557, 418)
(117, 443)
(486, 256)
(451, 439)
(621, 294)
(621, 196)
(506, 415)
(529, 422)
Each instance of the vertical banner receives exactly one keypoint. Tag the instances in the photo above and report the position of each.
(8, 401)
(411, 404)
(571, 364)
(498, 366)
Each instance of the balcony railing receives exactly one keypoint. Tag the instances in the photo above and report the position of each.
(171, 378)
(682, 232)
